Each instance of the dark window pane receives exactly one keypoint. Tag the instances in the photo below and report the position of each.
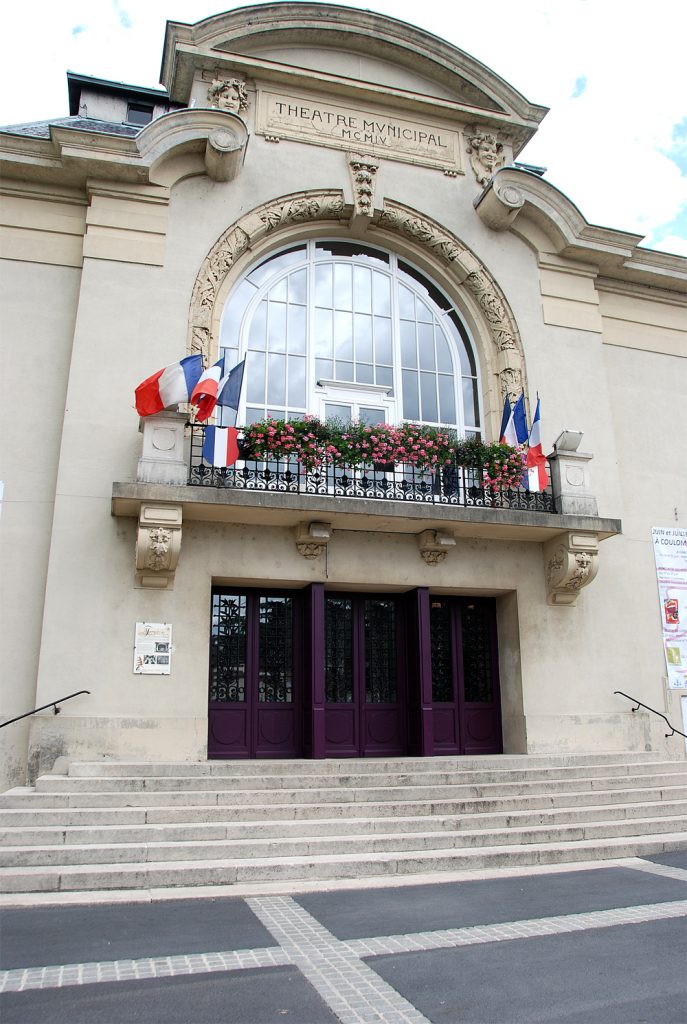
(477, 667)
(275, 682)
(380, 652)
(338, 650)
(442, 672)
(228, 649)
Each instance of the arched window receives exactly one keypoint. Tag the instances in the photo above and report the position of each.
(342, 329)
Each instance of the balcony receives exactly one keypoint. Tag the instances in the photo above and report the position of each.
(438, 506)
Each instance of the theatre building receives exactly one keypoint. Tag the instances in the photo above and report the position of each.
(334, 197)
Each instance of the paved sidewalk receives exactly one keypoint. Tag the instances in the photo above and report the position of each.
(603, 944)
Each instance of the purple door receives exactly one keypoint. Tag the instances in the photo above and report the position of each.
(254, 675)
(364, 681)
(466, 706)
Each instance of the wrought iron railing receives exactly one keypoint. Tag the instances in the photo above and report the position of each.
(660, 714)
(446, 485)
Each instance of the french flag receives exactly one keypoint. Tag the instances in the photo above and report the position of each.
(220, 447)
(515, 430)
(207, 390)
(169, 386)
(536, 460)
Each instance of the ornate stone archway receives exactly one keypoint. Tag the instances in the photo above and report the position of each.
(499, 340)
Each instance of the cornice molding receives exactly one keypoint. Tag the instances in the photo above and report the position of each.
(514, 196)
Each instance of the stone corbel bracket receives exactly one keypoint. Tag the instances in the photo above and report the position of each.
(158, 544)
(363, 177)
(499, 204)
(571, 564)
(312, 539)
(434, 545)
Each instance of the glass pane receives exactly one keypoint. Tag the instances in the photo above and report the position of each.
(364, 252)
(477, 669)
(297, 287)
(275, 673)
(371, 416)
(296, 328)
(344, 371)
(411, 401)
(338, 618)
(430, 411)
(276, 327)
(276, 380)
(444, 361)
(274, 264)
(385, 375)
(228, 649)
(447, 399)
(278, 291)
(233, 313)
(343, 335)
(363, 337)
(297, 381)
(406, 303)
(254, 415)
(324, 369)
(424, 312)
(332, 411)
(362, 290)
(382, 332)
(255, 377)
(364, 373)
(323, 286)
(343, 286)
(469, 401)
(258, 327)
(408, 344)
(425, 346)
(381, 294)
(323, 332)
(442, 661)
(380, 652)
(466, 367)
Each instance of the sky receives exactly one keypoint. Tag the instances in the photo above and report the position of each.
(612, 73)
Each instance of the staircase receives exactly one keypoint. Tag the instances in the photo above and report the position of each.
(115, 825)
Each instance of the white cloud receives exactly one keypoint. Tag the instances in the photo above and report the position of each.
(612, 74)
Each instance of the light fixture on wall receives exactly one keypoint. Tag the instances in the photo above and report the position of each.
(568, 441)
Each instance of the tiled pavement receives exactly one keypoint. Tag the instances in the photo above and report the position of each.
(370, 955)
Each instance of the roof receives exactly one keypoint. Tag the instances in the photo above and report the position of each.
(41, 129)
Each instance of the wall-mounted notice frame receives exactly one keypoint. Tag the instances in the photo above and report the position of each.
(670, 553)
(153, 648)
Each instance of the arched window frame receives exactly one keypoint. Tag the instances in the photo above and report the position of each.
(320, 389)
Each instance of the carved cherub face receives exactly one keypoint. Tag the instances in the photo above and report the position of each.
(488, 150)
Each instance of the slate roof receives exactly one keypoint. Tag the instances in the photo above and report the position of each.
(41, 129)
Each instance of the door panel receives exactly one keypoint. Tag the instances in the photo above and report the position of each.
(253, 707)
(466, 711)
(364, 710)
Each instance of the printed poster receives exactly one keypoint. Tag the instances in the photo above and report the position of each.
(153, 648)
(670, 553)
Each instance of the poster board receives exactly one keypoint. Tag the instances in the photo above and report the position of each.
(670, 554)
(153, 649)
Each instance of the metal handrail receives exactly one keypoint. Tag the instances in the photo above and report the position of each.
(53, 704)
(654, 711)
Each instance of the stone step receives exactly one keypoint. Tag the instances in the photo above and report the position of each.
(335, 766)
(315, 846)
(177, 806)
(88, 877)
(28, 830)
(360, 782)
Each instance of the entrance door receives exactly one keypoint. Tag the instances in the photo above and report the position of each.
(466, 708)
(254, 675)
(364, 683)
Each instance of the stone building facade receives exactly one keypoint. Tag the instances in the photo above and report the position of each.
(336, 197)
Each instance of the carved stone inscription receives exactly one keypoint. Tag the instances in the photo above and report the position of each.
(308, 119)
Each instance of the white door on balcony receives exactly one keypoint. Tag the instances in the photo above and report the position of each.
(370, 405)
